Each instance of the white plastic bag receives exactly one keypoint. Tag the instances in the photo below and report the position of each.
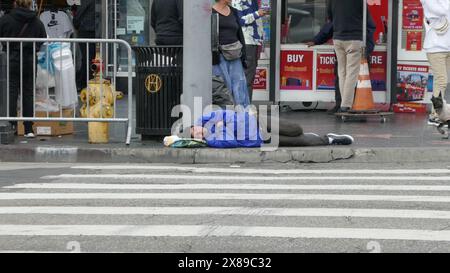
(44, 79)
(44, 103)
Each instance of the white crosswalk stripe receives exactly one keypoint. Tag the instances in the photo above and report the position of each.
(239, 170)
(252, 178)
(95, 200)
(288, 212)
(106, 186)
(223, 231)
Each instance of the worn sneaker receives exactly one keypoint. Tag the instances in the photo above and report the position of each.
(340, 139)
(434, 121)
(29, 135)
(343, 110)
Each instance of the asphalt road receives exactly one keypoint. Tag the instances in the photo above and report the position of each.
(261, 208)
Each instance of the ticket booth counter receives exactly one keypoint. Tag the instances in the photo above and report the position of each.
(294, 72)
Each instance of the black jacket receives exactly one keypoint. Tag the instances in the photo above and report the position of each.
(12, 24)
(84, 20)
(216, 52)
(167, 21)
(347, 18)
(326, 33)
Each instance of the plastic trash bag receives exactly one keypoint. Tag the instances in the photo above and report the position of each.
(44, 79)
(177, 142)
(65, 78)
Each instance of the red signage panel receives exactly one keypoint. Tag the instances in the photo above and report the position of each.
(297, 69)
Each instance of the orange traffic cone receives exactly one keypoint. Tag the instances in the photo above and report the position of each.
(363, 96)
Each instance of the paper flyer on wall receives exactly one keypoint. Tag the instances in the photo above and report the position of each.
(412, 82)
(260, 82)
(412, 15)
(412, 25)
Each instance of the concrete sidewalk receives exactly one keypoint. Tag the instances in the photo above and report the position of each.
(404, 138)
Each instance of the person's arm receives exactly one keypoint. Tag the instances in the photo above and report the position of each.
(325, 34)
(1, 34)
(329, 11)
(246, 16)
(42, 33)
(371, 28)
(220, 127)
(243, 50)
(85, 6)
(153, 15)
(435, 9)
(180, 11)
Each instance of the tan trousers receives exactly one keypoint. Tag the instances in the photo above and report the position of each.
(440, 64)
(349, 59)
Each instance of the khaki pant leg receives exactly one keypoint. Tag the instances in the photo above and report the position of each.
(353, 51)
(438, 62)
(341, 56)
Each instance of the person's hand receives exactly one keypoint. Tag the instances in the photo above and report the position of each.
(262, 13)
(310, 44)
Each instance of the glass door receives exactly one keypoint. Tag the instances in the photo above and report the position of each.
(128, 20)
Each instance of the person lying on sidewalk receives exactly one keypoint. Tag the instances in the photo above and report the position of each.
(232, 129)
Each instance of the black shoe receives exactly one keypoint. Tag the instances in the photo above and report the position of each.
(333, 110)
(340, 139)
(344, 110)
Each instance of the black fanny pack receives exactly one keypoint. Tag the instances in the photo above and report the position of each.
(232, 51)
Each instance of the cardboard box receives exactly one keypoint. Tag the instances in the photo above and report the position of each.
(52, 128)
(409, 107)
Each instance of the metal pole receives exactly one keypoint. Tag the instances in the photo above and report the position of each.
(275, 50)
(197, 55)
(392, 44)
(364, 27)
(130, 94)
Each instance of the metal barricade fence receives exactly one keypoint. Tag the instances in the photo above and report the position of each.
(17, 44)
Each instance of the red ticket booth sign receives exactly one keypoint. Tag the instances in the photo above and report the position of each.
(325, 77)
(378, 70)
(296, 69)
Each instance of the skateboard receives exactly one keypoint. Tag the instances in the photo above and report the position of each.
(358, 115)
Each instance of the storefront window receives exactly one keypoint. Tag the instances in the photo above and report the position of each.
(132, 25)
(132, 21)
(304, 18)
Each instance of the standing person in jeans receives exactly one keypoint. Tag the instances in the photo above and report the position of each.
(325, 34)
(167, 21)
(437, 45)
(229, 58)
(84, 23)
(347, 19)
(22, 22)
(250, 16)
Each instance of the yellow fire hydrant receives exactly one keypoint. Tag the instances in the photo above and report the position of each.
(98, 102)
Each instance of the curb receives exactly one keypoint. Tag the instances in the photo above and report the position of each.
(68, 154)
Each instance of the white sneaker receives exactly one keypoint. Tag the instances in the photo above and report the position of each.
(434, 121)
(29, 135)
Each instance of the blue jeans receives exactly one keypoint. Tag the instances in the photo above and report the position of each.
(233, 74)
